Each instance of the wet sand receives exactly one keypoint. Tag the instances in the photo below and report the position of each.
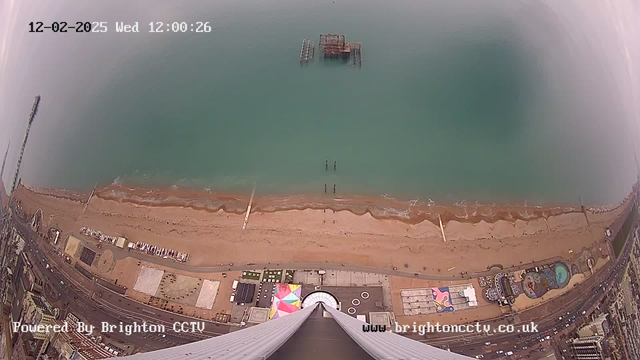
(408, 211)
(343, 231)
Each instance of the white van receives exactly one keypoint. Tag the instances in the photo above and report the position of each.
(235, 284)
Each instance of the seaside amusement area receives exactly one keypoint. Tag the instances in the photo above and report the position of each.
(331, 180)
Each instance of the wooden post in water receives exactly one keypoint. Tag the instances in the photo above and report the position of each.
(326, 164)
(325, 188)
(334, 165)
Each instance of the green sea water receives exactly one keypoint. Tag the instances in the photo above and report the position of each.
(454, 101)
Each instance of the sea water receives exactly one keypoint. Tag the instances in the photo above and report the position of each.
(455, 100)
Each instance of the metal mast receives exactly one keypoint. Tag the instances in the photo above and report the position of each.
(6, 219)
(4, 161)
(34, 110)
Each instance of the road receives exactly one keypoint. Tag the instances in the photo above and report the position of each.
(96, 303)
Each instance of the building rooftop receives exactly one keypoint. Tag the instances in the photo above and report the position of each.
(40, 303)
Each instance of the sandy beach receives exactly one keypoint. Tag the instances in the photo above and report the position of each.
(209, 227)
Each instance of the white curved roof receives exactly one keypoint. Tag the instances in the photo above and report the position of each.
(320, 297)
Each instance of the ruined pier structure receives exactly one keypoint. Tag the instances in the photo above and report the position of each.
(307, 51)
(335, 46)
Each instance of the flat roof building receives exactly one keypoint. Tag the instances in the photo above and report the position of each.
(36, 312)
(588, 348)
(598, 327)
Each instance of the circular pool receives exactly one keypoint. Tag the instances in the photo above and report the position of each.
(562, 275)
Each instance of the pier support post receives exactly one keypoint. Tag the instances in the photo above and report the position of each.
(326, 164)
(334, 165)
(334, 188)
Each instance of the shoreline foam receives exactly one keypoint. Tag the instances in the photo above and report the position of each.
(382, 208)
